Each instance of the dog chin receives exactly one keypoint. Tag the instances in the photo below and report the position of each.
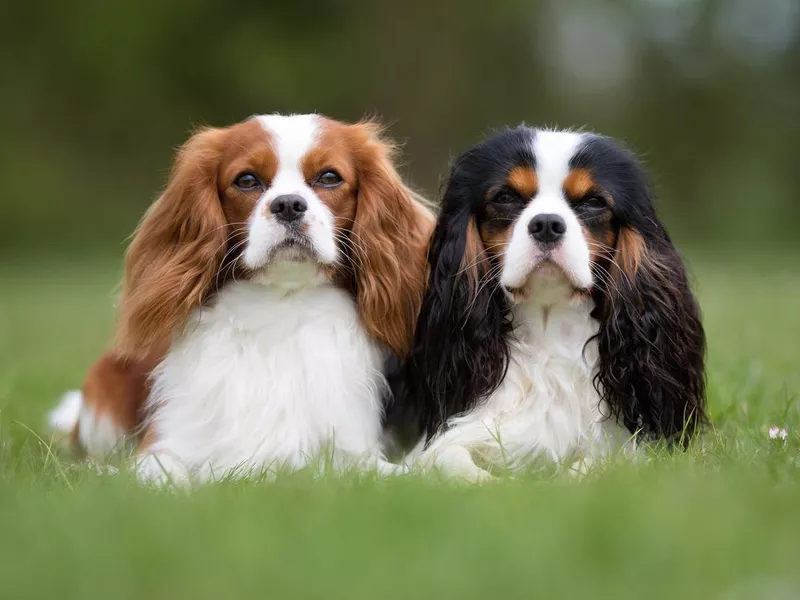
(292, 251)
(292, 264)
(548, 282)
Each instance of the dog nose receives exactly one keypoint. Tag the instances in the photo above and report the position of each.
(547, 228)
(288, 207)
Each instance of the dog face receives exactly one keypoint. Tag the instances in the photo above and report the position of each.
(543, 217)
(278, 188)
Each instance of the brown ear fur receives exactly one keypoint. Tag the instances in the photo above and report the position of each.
(631, 253)
(474, 263)
(390, 234)
(176, 251)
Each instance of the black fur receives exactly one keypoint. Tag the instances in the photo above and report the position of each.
(651, 340)
(459, 354)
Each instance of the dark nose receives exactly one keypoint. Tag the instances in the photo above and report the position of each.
(288, 207)
(547, 228)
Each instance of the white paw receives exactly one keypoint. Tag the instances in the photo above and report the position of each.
(480, 476)
(98, 434)
(387, 469)
(582, 467)
(161, 470)
(472, 474)
(456, 462)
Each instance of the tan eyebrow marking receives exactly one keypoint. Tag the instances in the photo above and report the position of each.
(578, 183)
(524, 181)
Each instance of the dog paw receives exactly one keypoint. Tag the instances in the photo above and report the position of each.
(159, 470)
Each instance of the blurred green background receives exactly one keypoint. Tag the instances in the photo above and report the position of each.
(97, 94)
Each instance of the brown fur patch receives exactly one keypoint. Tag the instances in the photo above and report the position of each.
(631, 251)
(335, 151)
(388, 229)
(247, 149)
(176, 257)
(524, 181)
(474, 257)
(578, 183)
(116, 388)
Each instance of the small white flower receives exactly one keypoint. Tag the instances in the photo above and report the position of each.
(776, 432)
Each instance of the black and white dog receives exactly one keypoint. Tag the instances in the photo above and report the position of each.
(558, 320)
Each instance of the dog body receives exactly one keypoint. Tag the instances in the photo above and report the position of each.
(558, 321)
(274, 277)
(546, 406)
(301, 367)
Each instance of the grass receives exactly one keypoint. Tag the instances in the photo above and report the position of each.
(720, 521)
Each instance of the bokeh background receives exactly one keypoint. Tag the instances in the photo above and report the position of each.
(96, 95)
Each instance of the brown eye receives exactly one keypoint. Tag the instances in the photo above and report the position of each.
(505, 198)
(594, 203)
(329, 179)
(248, 182)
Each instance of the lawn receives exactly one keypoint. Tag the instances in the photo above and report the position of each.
(719, 521)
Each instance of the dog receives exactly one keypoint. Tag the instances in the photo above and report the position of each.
(263, 293)
(558, 321)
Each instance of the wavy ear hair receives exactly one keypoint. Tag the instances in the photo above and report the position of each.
(651, 339)
(390, 235)
(176, 251)
(460, 352)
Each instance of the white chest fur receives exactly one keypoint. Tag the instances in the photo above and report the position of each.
(546, 406)
(274, 374)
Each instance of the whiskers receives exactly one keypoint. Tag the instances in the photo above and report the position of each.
(229, 266)
(481, 257)
(602, 273)
(489, 277)
(355, 246)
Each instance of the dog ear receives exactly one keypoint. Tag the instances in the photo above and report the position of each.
(176, 251)
(460, 354)
(651, 339)
(390, 237)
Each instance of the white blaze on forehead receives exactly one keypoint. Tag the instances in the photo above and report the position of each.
(553, 151)
(292, 138)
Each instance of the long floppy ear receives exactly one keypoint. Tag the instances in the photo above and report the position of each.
(390, 235)
(176, 251)
(651, 340)
(460, 353)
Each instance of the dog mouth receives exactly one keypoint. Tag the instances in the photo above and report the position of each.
(549, 268)
(294, 248)
(294, 241)
(548, 275)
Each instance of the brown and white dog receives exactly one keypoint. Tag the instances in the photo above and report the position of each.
(263, 293)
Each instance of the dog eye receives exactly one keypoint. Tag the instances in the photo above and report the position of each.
(594, 202)
(505, 198)
(329, 179)
(247, 182)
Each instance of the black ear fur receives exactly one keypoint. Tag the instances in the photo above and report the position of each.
(651, 341)
(459, 353)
